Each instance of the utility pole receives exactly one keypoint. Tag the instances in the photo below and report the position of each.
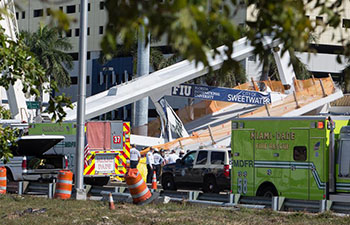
(79, 176)
(141, 106)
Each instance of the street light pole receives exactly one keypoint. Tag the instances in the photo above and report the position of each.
(79, 173)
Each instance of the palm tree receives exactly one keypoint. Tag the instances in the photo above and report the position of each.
(50, 49)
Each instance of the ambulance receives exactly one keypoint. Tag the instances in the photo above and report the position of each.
(304, 158)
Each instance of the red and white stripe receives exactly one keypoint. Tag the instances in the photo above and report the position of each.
(86, 153)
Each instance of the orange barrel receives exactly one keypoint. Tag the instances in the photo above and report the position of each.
(64, 184)
(137, 186)
(2, 180)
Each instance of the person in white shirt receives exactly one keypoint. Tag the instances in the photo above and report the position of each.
(134, 157)
(172, 157)
(182, 153)
(158, 162)
(150, 162)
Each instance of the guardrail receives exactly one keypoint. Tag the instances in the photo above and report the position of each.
(32, 188)
(121, 194)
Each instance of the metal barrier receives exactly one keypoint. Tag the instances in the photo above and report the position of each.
(120, 194)
(35, 188)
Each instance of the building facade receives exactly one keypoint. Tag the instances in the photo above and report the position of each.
(31, 13)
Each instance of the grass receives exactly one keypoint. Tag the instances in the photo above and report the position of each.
(14, 210)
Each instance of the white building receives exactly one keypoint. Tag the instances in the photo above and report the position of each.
(33, 12)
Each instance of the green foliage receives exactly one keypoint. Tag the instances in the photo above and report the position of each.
(18, 63)
(159, 61)
(7, 140)
(7, 137)
(60, 20)
(4, 113)
(188, 24)
(270, 68)
(56, 107)
(50, 49)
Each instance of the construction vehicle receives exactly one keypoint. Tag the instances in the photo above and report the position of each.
(295, 157)
(107, 147)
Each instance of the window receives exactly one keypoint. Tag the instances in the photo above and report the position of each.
(344, 158)
(70, 9)
(69, 33)
(346, 23)
(299, 153)
(23, 15)
(61, 8)
(74, 55)
(88, 31)
(319, 20)
(102, 5)
(202, 158)
(74, 80)
(17, 15)
(77, 32)
(100, 30)
(189, 158)
(88, 55)
(252, 58)
(89, 7)
(38, 12)
(217, 158)
(48, 11)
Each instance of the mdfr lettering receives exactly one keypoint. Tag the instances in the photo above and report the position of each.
(243, 163)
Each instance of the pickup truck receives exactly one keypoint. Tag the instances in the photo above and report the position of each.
(30, 163)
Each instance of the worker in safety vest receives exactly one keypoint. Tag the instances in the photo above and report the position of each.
(150, 165)
(158, 162)
(135, 157)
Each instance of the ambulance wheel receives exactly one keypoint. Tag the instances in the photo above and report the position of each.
(168, 182)
(267, 191)
(209, 185)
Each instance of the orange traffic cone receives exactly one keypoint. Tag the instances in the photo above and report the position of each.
(111, 202)
(154, 181)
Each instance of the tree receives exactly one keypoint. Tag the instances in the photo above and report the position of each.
(270, 68)
(18, 63)
(346, 79)
(50, 49)
(187, 24)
